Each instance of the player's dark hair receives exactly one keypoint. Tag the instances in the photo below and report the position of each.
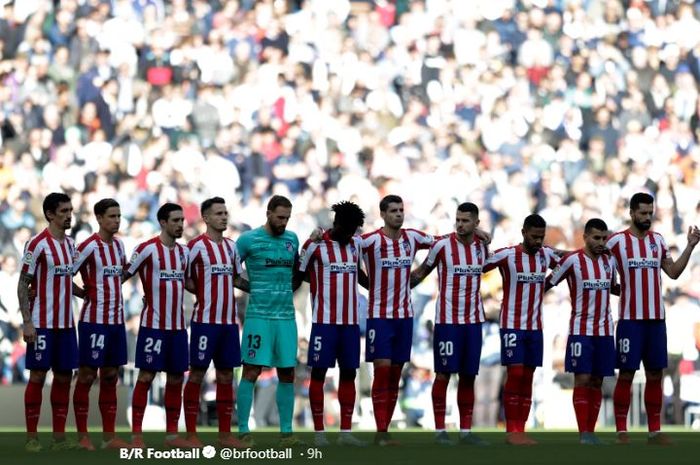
(391, 198)
(534, 221)
(468, 207)
(640, 198)
(52, 201)
(207, 204)
(595, 223)
(103, 205)
(278, 201)
(348, 216)
(164, 211)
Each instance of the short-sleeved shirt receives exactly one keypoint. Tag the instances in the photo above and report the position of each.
(162, 271)
(213, 267)
(589, 283)
(523, 284)
(50, 263)
(270, 262)
(101, 264)
(639, 266)
(388, 263)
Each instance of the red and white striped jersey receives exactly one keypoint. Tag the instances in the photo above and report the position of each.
(639, 266)
(213, 268)
(333, 270)
(523, 284)
(162, 272)
(459, 277)
(101, 265)
(388, 264)
(589, 283)
(50, 262)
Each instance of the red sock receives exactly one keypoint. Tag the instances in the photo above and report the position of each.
(595, 398)
(581, 408)
(81, 405)
(108, 404)
(138, 406)
(60, 396)
(653, 394)
(621, 402)
(32, 405)
(224, 406)
(465, 401)
(439, 401)
(191, 401)
(316, 402)
(511, 397)
(380, 394)
(525, 397)
(346, 398)
(172, 401)
(393, 397)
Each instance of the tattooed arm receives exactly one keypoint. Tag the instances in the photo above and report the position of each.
(23, 293)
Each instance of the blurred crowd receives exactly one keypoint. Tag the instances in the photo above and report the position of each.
(564, 107)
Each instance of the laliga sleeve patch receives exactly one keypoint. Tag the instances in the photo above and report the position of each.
(28, 259)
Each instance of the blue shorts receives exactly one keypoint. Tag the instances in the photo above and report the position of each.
(162, 350)
(329, 343)
(390, 339)
(55, 349)
(220, 343)
(521, 347)
(590, 354)
(641, 341)
(102, 345)
(457, 348)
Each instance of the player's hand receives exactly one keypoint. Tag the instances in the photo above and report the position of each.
(483, 236)
(29, 332)
(693, 236)
(316, 234)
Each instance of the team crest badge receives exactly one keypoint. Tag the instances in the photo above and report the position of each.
(543, 262)
(407, 247)
(251, 353)
(289, 246)
(149, 359)
(444, 362)
(623, 358)
(200, 355)
(37, 356)
(653, 247)
(316, 357)
(606, 267)
(573, 363)
(95, 355)
(509, 353)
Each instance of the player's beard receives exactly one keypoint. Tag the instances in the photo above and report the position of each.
(643, 225)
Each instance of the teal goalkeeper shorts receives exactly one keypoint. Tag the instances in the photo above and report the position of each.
(270, 343)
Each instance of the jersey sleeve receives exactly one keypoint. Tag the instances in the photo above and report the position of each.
(561, 271)
(553, 259)
(192, 256)
(32, 251)
(307, 253)
(434, 253)
(138, 258)
(243, 246)
(236, 258)
(423, 240)
(498, 258)
(662, 247)
(82, 254)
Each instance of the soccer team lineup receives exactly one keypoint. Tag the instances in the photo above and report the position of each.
(268, 263)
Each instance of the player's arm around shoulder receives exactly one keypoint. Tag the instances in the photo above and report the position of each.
(497, 259)
(430, 262)
(560, 272)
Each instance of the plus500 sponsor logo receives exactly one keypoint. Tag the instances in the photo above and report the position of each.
(221, 269)
(343, 268)
(396, 262)
(112, 271)
(467, 270)
(171, 275)
(530, 277)
(596, 284)
(643, 263)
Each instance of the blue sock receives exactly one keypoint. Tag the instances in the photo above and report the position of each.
(243, 404)
(285, 405)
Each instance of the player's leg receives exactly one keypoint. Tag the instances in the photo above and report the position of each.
(139, 400)
(81, 403)
(378, 352)
(595, 398)
(176, 363)
(284, 359)
(512, 357)
(348, 347)
(534, 350)
(150, 359)
(256, 352)
(321, 356)
(32, 404)
(401, 353)
(203, 340)
(64, 361)
(579, 361)
(630, 340)
(227, 355)
(470, 349)
(316, 398)
(655, 357)
(446, 344)
(603, 365)
(115, 356)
